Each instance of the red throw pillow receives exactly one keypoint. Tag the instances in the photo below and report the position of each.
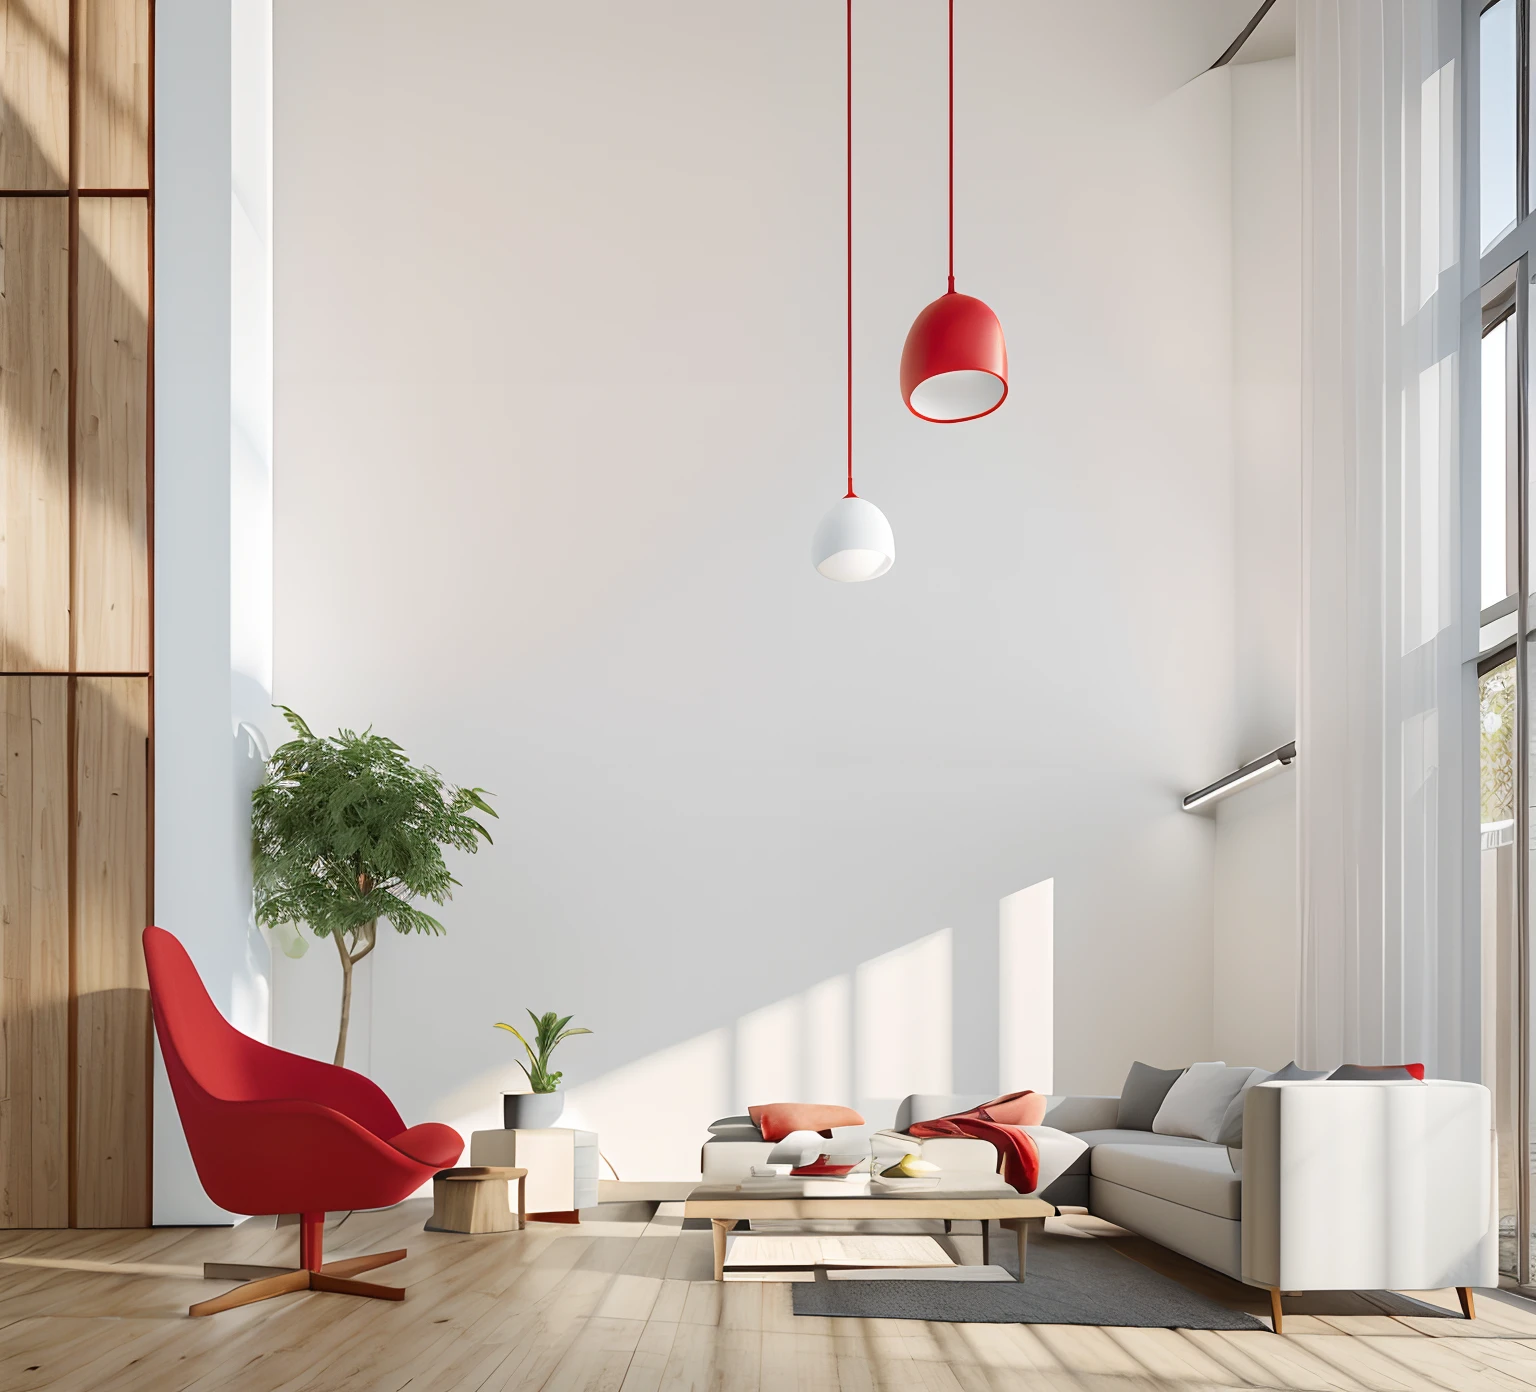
(776, 1120)
(1017, 1109)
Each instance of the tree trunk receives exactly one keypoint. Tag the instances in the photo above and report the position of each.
(367, 934)
(346, 999)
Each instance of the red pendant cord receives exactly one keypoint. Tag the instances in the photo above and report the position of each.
(849, 132)
(951, 147)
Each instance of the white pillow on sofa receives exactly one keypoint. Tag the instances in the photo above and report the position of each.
(1198, 1101)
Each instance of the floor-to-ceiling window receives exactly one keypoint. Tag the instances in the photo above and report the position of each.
(1505, 230)
(1499, 672)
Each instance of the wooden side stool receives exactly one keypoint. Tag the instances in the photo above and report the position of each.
(474, 1199)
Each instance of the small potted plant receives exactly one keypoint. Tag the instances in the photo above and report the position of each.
(542, 1104)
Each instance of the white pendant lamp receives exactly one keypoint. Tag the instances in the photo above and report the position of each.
(854, 541)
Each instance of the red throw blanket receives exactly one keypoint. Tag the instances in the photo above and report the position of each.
(1000, 1121)
(777, 1119)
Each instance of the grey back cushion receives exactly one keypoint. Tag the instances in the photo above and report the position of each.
(736, 1128)
(1231, 1133)
(1143, 1093)
(1292, 1074)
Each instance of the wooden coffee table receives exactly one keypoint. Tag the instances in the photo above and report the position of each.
(981, 1197)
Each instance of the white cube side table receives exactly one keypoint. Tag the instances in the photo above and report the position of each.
(561, 1164)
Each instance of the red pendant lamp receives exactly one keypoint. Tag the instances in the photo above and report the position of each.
(854, 541)
(954, 366)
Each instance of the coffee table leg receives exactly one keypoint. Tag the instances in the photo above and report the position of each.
(986, 1242)
(721, 1227)
(1023, 1225)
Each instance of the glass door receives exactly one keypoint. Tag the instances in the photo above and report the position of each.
(1499, 34)
(1503, 780)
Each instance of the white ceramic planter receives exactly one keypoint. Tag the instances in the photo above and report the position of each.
(527, 1111)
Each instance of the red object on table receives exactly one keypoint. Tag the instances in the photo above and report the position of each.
(272, 1132)
(823, 1165)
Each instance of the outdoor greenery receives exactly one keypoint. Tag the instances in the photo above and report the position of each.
(1496, 714)
(548, 1030)
(345, 830)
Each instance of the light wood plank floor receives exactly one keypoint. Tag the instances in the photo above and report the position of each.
(627, 1305)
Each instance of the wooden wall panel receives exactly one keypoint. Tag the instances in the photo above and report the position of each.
(34, 434)
(111, 551)
(112, 992)
(34, 952)
(113, 39)
(75, 604)
(34, 81)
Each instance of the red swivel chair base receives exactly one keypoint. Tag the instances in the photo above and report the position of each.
(312, 1274)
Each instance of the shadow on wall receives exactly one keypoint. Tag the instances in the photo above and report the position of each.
(864, 1038)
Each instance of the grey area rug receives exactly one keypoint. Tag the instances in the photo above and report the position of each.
(1072, 1280)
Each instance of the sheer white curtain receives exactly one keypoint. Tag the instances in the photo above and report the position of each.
(1381, 704)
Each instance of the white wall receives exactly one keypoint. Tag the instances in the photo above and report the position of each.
(1256, 925)
(212, 517)
(1256, 954)
(559, 383)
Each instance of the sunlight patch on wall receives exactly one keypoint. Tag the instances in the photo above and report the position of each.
(902, 1023)
(651, 1115)
(797, 1049)
(1026, 988)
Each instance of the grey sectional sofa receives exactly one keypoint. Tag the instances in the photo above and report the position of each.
(1185, 1194)
(1339, 1185)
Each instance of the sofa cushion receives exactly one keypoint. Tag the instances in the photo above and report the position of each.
(1197, 1176)
(1121, 1136)
(929, 1106)
(1197, 1103)
(736, 1128)
(1060, 1153)
(1024, 1109)
(1231, 1133)
(1081, 1113)
(1377, 1073)
(1293, 1072)
(1143, 1093)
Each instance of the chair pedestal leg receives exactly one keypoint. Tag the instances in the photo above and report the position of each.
(252, 1291)
(313, 1273)
(319, 1281)
(350, 1266)
(311, 1240)
(241, 1271)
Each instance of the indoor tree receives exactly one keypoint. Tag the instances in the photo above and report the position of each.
(345, 830)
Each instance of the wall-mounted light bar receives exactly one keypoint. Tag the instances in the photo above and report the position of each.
(1263, 767)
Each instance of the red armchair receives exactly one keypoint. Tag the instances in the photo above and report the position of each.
(273, 1132)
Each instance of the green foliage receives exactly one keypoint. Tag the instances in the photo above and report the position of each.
(345, 830)
(548, 1030)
